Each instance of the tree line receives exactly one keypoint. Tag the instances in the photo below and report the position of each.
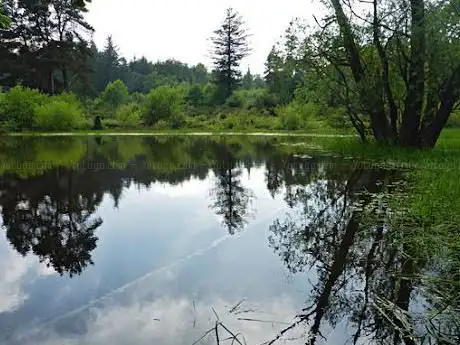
(389, 70)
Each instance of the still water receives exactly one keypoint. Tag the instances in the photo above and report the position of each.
(157, 240)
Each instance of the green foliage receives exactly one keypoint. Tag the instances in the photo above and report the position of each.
(115, 94)
(18, 106)
(129, 116)
(235, 120)
(234, 101)
(290, 117)
(454, 120)
(111, 124)
(195, 96)
(297, 116)
(58, 115)
(138, 98)
(165, 103)
(5, 21)
(256, 98)
(41, 34)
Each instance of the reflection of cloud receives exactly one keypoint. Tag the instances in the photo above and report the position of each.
(174, 321)
(194, 187)
(13, 269)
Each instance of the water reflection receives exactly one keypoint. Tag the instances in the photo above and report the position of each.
(367, 273)
(327, 220)
(231, 200)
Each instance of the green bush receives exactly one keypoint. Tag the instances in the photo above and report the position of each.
(161, 124)
(138, 98)
(17, 108)
(297, 115)
(164, 102)
(177, 120)
(256, 99)
(234, 101)
(129, 116)
(110, 124)
(115, 94)
(290, 117)
(336, 117)
(454, 120)
(195, 96)
(58, 115)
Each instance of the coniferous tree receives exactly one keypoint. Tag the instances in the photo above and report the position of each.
(273, 69)
(248, 80)
(44, 45)
(110, 62)
(230, 47)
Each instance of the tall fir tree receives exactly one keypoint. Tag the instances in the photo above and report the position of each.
(110, 62)
(248, 80)
(230, 47)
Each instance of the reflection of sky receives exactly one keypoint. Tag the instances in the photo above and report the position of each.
(162, 255)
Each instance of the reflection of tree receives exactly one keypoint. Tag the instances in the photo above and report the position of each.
(232, 200)
(363, 273)
(48, 207)
(56, 225)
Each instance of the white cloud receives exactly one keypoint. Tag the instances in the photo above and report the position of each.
(12, 269)
(161, 29)
(173, 321)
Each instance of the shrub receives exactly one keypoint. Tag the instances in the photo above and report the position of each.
(337, 117)
(161, 124)
(68, 97)
(138, 98)
(454, 120)
(129, 116)
(115, 94)
(58, 115)
(164, 102)
(195, 96)
(234, 101)
(18, 106)
(290, 117)
(110, 123)
(256, 98)
(177, 121)
(297, 115)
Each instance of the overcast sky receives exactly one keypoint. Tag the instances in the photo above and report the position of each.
(161, 29)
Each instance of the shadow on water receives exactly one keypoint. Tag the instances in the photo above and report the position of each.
(338, 224)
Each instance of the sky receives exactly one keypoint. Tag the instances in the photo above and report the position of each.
(180, 29)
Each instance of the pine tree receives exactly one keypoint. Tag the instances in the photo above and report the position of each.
(230, 47)
(273, 69)
(248, 80)
(110, 62)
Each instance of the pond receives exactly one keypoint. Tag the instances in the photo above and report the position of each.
(181, 240)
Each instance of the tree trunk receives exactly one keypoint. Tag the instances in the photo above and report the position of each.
(52, 88)
(450, 93)
(410, 127)
(372, 103)
(65, 77)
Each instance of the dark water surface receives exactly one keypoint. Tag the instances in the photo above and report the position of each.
(148, 240)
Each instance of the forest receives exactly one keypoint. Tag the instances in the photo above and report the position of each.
(388, 71)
